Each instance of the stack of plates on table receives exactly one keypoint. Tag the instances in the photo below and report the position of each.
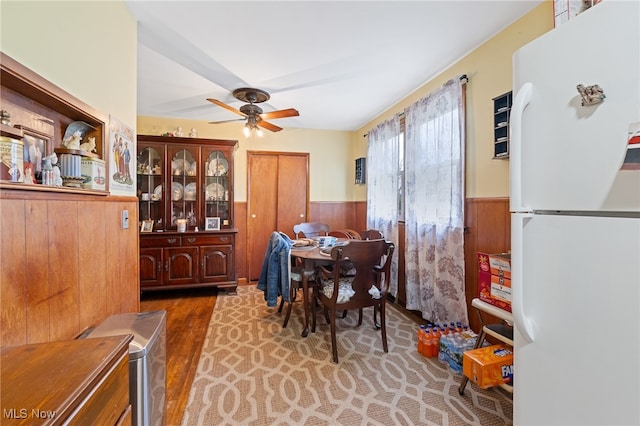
(190, 192)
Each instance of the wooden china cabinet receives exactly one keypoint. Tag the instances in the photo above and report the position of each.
(185, 196)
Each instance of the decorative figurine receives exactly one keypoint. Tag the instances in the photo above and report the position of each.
(51, 172)
(29, 177)
(57, 179)
(89, 146)
(193, 133)
(73, 141)
(179, 132)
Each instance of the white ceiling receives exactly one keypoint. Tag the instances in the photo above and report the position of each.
(339, 63)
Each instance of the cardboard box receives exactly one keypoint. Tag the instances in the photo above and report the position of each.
(494, 279)
(497, 264)
(488, 366)
(93, 171)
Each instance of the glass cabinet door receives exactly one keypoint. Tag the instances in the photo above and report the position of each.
(217, 188)
(184, 187)
(149, 185)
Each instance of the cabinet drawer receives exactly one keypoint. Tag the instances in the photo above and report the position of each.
(208, 240)
(160, 241)
(109, 400)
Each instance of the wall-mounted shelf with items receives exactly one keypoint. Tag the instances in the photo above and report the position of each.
(501, 116)
(35, 119)
(361, 171)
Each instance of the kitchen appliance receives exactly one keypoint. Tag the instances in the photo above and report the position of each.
(575, 247)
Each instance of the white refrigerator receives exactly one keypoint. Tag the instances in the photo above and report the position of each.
(575, 220)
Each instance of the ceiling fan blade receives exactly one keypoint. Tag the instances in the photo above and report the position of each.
(291, 112)
(269, 126)
(226, 121)
(227, 107)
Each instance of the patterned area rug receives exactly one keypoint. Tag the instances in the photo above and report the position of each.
(254, 372)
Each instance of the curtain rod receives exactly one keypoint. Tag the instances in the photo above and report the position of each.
(463, 78)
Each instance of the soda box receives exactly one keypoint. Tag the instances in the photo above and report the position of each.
(488, 366)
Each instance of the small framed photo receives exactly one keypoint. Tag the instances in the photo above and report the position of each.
(36, 148)
(212, 224)
(147, 226)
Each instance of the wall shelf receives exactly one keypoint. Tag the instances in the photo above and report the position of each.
(501, 116)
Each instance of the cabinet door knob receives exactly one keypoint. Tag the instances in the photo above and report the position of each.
(166, 266)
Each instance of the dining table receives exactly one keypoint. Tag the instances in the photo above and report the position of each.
(311, 256)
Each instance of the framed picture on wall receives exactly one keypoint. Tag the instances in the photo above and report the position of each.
(122, 158)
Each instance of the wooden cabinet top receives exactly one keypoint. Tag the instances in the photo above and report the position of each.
(52, 379)
(178, 140)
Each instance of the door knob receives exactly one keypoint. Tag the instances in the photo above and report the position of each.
(253, 216)
(301, 214)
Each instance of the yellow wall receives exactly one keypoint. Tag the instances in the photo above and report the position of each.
(489, 69)
(86, 48)
(89, 49)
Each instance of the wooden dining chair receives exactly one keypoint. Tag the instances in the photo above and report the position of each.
(355, 235)
(348, 234)
(310, 229)
(371, 234)
(368, 287)
(296, 284)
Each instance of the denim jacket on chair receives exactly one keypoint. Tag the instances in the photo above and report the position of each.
(275, 275)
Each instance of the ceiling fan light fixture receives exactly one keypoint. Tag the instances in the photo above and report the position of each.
(253, 113)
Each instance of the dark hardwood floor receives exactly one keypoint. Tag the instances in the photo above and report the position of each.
(188, 315)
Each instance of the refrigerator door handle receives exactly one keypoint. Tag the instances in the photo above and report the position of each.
(523, 323)
(520, 102)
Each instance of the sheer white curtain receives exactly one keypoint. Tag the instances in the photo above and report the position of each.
(382, 186)
(434, 207)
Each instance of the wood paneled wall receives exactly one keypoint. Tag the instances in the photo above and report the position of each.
(488, 229)
(339, 215)
(65, 263)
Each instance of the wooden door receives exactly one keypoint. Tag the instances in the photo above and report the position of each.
(278, 198)
(293, 194)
